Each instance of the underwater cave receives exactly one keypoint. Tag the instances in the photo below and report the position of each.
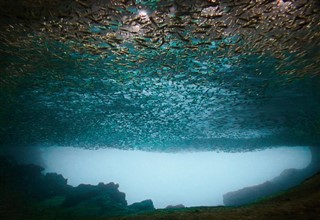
(159, 109)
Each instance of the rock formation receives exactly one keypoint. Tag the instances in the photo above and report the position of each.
(180, 206)
(287, 179)
(146, 205)
(27, 184)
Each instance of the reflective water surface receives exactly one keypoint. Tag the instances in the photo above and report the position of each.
(160, 75)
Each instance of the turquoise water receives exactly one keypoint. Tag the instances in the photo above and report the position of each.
(157, 77)
(223, 75)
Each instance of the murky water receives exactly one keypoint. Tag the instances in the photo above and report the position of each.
(188, 178)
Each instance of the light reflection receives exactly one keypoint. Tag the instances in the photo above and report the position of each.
(143, 13)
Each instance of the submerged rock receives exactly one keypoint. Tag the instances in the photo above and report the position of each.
(180, 206)
(146, 205)
(248, 194)
(103, 195)
(29, 181)
(28, 185)
(287, 179)
(54, 185)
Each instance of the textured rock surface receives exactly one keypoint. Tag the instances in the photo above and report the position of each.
(104, 195)
(146, 205)
(24, 186)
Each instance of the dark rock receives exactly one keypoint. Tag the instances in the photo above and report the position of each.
(105, 195)
(146, 205)
(180, 206)
(287, 179)
(56, 179)
(248, 194)
(52, 185)
(52, 190)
